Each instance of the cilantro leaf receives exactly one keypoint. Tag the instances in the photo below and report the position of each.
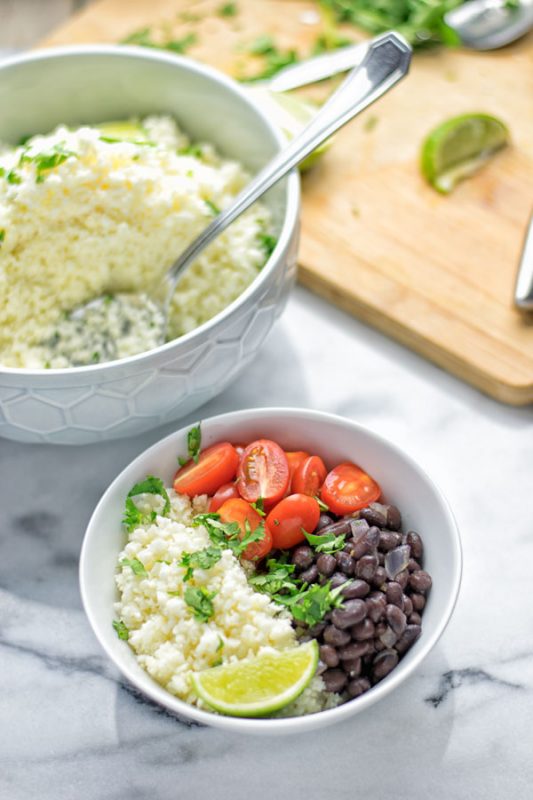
(201, 602)
(201, 559)
(133, 517)
(2, 234)
(136, 565)
(278, 578)
(122, 632)
(312, 604)
(227, 535)
(268, 243)
(327, 543)
(194, 441)
(227, 10)
(213, 208)
(13, 177)
(143, 38)
(259, 506)
(194, 150)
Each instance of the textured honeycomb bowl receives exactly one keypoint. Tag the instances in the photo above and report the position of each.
(77, 85)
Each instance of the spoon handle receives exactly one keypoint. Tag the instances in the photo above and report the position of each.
(386, 62)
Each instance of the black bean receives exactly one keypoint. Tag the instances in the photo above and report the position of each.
(345, 562)
(363, 630)
(355, 589)
(373, 516)
(415, 543)
(378, 644)
(337, 579)
(328, 655)
(380, 577)
(407, 607)
(395, 594)
(354, 650)
(350, 613)
(340, 528)
(415, 618)
(358, 549)
(326, 564)
(388, 638)
(388, 540)
(420, 581)
(375, 606)
(409, 636)
(366, 567)
(358, 687)
(418, 601)
(335, 636)
(402, 578)
(381, 558)
(384, 663)
(413, 565)
(396, 619)
(323, 520)
(310, 575)
(394, 518)
(334, 680)
(302, 556)
(352, 667)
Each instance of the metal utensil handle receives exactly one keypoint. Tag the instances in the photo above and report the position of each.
(386, 62)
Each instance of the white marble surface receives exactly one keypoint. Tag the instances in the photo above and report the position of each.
(460, 728)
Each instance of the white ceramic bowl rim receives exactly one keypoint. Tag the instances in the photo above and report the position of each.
(289, 724)
(289, 221)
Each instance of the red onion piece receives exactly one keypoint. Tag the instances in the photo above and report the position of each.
(396, 560)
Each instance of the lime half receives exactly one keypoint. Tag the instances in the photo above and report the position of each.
(457, 148)
(257, 686)
(124, 130)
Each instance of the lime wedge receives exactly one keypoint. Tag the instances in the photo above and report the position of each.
(459, 147)
(290, 113)
(257, 686)
(125, 130)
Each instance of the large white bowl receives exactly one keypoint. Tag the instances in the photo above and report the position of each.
(404, 483)
(76, 85)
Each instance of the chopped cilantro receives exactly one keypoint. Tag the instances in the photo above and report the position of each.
(136, 565)
(268, 243)
(278, 578)
(143, 38)
(200, 559)
(327, 543)
(122, 632)
(322, 506)
(44, 162)
(194, 150)
(213, 208)
(194, 442)
(312, 604)
(220, 644)
(274, 59)
(227, 10)
(13, 177)
(2, 172)
(228, 535)
(328, 41)
(201, 602)
(2, 234)
(133, 517)
(259, 506)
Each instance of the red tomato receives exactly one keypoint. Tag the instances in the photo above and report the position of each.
(295, 459)
(216, 465)
(287, 519)
(225, 492)
(263, 472)
(347, 488)
(240, 511)
(309, 476)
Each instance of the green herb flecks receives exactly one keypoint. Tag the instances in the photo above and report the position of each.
(278, 579)
(136, 565)
(13, 177)
(327, 543)
(133, 516)
(200, 559)
(259, 506)
(122, 632)
(144, 38)
(213, 208)
(268, 243)
(201, 602)
(227, 535)
(44, 162)
(194, 443)
(227, 10)
(311, 605)
(194, 150)
(274, 59)
(2, 234)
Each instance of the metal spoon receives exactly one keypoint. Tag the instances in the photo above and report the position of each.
(385, 63)
(489, 24)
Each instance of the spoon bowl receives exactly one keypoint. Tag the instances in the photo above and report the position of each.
(490, 24)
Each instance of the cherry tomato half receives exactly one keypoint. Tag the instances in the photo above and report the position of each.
(309, 476)
(227, 491)
(263, 472)
(216, 465)
(347, 488)
(295, 459)
(238, 510)
(289, 516)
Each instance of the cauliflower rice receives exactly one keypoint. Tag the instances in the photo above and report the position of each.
(83, 215)
(170, 643)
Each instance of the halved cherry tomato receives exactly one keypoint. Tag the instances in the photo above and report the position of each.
(347, 488)
(216, 465)
(263, 472)
(227, 491)
(295, 459)
(309, 476)
(289, 516)
(238, 510)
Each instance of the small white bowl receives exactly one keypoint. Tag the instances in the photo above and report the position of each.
(404, 483)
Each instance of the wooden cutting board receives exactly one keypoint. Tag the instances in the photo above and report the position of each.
(436, 273)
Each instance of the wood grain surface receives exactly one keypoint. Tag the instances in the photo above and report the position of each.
(436, 273)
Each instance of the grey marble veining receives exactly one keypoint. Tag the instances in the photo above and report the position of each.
(461, 727)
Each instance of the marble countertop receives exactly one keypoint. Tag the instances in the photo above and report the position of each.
(461, 727)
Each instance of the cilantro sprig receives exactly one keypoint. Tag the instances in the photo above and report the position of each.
(133, 516)
(227, 535)
(200, 559)
(144, 38)
(44, 162)
(311, 605)
(194, 443)
(121, 630)
(327, 543)
(201, 601)
(135, 565)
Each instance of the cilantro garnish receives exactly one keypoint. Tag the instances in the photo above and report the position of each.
(227, 535)
(122, 632)
(327, 543)
(194, 150)
(213, 208)
(259, 506)
(274, 58)
(13, 177)
(227, 10)
(194, 442)
(143, 38)
(279, 578)
(2, 234)
(46, 161)
(201, 559)
(312, 604)
(136, 565)
(133, 517)
(201, 602)
(268, 243)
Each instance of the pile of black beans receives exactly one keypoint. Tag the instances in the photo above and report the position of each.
(380, 617)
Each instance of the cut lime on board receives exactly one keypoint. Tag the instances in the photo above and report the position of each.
(459, 147)
(290, 113)
(258, 686)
